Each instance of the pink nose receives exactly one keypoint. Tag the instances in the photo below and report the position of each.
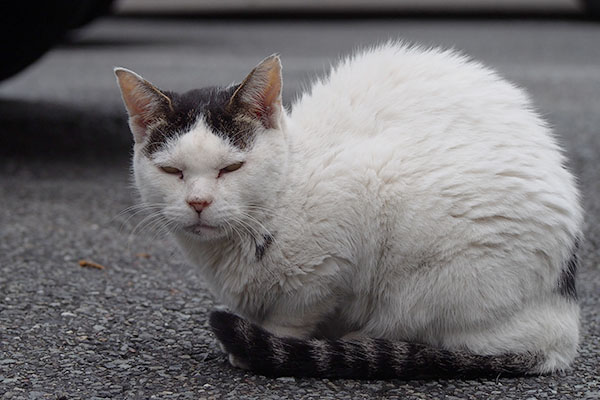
(199, 205)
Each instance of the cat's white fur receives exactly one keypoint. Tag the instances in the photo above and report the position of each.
(412, 195)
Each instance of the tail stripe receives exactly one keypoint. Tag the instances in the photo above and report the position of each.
(321, 353)
(388, 358)
(371, 354)
(300, 358)
(339, 362)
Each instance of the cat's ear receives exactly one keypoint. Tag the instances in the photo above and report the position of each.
(144, 102)
(259, 95)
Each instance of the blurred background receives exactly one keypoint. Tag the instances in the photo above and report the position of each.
(136, 329)
(57, 85)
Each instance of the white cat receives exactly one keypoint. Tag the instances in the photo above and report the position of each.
(411, 216)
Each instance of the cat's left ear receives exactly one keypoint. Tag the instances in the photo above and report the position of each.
(259, 95)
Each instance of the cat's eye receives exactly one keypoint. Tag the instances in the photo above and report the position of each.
(172, 171)
(231, 168)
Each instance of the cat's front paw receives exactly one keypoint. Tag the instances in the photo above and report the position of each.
(236, 362)
(233, 335)
(233, 360)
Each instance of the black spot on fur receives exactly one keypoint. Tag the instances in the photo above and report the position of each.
(339, 365)
(261, 248)
(566, 282)
(209, 104)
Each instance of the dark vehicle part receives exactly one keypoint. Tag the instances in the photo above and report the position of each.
(29, 29)
(591, 8)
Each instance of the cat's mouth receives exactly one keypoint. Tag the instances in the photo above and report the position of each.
(200, 228)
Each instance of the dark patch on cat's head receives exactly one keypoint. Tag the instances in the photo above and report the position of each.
(212, 105)
(234, 113)
(226, 119)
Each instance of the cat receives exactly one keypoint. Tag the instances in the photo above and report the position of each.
(410, 217)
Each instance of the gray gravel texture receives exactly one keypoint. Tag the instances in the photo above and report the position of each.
(137, 329)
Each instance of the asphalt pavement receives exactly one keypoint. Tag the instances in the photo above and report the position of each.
(137, 327)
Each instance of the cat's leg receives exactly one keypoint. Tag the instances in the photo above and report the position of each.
(301, 313)
(549, 327)
(320, 319)
(281, 324)
(283, 329)
(237, 331)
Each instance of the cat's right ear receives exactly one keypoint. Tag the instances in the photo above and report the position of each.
(144, 102)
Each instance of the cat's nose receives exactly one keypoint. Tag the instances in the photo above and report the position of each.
(199, 205)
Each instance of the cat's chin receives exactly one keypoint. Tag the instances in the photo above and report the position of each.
(204, 231)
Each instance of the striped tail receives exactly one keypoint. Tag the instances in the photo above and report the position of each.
(270, 355)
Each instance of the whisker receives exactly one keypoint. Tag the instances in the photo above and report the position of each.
(135, 210)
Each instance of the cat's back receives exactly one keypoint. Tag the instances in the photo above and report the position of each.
(426, 114)
(440, 132)
(416, 91)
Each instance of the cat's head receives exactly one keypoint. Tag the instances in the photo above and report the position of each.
(208, 161)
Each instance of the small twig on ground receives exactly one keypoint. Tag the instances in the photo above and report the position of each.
(90, 264)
